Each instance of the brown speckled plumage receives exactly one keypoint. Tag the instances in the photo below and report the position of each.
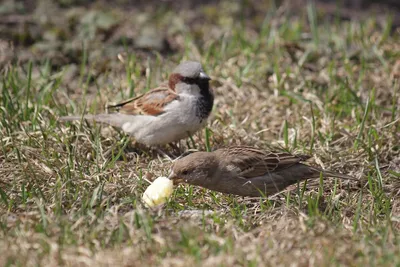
(245, 171)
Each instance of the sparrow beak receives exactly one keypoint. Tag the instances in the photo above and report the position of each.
(174, 178)
(204, 76)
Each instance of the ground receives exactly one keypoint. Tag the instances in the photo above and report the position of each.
(301, 78)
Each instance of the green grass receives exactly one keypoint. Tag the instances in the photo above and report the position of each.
(70, 194)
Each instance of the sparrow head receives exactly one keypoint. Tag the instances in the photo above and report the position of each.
(197, 169)
(189, 76)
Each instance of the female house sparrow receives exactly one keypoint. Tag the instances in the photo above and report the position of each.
(164, 114)
(245, 171)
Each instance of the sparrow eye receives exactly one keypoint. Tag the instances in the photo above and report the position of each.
(189, 80)
(185, 172)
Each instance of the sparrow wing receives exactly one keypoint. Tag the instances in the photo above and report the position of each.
(150, 103)
(250, 162)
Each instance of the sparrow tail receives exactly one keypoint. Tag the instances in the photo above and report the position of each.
(331, 174)
(111, 119)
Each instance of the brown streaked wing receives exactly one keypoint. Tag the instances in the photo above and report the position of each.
(251, 162)
(130, 100)
(151, 103)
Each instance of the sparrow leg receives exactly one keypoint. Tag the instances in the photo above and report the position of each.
(176, 147)
(138, 149)
(160, 151)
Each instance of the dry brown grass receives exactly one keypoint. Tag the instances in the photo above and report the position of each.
(71, 194)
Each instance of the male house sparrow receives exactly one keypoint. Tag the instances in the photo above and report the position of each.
(245, 171)
(164, 114)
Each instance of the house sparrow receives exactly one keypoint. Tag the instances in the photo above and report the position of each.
(165, 114)
(245, 171)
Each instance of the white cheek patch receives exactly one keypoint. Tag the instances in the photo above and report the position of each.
(188, 89)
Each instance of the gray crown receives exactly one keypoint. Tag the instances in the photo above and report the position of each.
(190, 69)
